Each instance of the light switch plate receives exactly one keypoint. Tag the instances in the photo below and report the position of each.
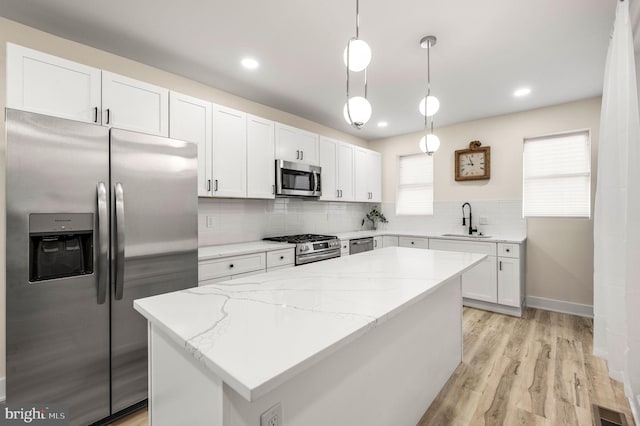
(209, 221)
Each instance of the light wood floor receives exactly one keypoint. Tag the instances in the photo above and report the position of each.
(535, 370)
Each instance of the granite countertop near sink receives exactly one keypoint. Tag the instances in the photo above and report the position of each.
(225, 250)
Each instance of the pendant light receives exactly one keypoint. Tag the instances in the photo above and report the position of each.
(357, 56)
(429, 105)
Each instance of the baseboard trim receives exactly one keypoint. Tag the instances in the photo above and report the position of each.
(493, 307)
(635, 408)
(3, 389)
(560, 306)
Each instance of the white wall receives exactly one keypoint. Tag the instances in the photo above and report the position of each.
(20, 34)
(559, 251)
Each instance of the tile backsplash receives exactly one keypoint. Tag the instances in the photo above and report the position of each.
(241, 220)
(504, 217)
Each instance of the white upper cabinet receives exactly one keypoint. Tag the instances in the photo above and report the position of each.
(46, 84)
(260, 158)
(329, 164)
(134, 105)
(293, 144)
(345, 171)
(190, 119)
(336, 160)
(368, 178)
(229, 152)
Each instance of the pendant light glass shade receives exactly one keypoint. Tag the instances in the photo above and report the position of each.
(433, 105)
(359, 55)
(429, 144)
(360, 110)
(429, 105)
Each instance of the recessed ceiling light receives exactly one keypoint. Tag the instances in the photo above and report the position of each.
(250, 63)
(522, 92)
(382, 124)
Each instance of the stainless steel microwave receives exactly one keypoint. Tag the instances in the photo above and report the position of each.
(298, 179)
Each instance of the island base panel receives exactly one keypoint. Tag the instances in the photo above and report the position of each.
(181, 390)
(390, 375)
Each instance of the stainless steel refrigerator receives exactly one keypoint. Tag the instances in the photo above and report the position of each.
(96, 218)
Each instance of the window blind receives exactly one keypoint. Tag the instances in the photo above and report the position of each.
(557, 176)
(415, 185)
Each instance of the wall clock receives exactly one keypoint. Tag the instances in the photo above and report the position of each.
(473, 163)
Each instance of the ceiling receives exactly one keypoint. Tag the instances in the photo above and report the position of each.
(485, 50)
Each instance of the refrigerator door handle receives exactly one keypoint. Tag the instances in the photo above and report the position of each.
(103, 242)
(119, 243)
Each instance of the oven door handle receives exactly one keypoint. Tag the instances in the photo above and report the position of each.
(318, 256)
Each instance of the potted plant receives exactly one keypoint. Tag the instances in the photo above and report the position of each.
(375, 216)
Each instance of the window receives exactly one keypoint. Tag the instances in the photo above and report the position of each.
(556, 176)
(415, 185)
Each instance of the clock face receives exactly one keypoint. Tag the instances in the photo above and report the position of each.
(472, 164)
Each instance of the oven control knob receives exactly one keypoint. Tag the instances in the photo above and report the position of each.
(304, 248)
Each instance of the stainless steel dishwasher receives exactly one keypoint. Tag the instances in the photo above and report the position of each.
(360, 244)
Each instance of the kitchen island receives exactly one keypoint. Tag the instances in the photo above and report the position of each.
(368, 339)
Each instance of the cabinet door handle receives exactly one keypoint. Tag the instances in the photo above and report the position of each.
(508, 250)
(341, 193)
(297, 154)
(302, 155)
(500, 265)
(273, 189)
(108, 116)
(215, 185)
(95, 114)
(208, 185)
(337, 193)
(375, 243)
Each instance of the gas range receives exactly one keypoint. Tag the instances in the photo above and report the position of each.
(312, 247)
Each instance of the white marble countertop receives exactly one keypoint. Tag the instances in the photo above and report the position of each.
(224, 250)
(498, 238)
(257, 332)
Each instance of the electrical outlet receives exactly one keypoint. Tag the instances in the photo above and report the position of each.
(272, 417)
(484, 220)
(209, 221)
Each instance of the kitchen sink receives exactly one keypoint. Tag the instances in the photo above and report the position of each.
(467, 236)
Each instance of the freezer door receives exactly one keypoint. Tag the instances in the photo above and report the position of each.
(154, 244)
(57, 327)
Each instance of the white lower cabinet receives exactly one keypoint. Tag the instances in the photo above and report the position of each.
(498, 280)
(511, 289)
(389, 241)
(279, 259)
(509, 281)
(480, 283)
(225, 268)
(413, 242)
(377, 243)
(344, 248)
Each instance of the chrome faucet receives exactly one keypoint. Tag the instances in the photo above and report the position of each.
(471, 228)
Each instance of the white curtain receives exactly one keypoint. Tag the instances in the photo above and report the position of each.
(617, 215)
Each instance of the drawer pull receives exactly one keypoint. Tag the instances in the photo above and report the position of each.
(507, 250)
(231, 265)
(412, 242)
(281, 257)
